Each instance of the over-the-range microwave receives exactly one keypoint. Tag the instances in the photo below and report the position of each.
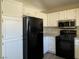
(67, 23)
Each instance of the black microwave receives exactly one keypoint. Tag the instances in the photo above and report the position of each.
(67, 24)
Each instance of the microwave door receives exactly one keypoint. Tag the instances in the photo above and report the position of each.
(61, 24)
(66, 24)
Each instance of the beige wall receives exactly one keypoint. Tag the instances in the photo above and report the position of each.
(15, 8)
(51, 31)
(12, 8)
(18, 9)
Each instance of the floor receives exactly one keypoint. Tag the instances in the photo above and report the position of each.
(51, 56)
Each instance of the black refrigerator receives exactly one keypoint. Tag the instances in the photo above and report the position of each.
(32, 38)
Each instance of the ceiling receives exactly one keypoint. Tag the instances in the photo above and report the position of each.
(46, 5)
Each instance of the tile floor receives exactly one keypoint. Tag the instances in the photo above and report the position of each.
(51, 56)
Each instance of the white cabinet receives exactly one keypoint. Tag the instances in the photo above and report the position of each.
(49, 44)
(67, 14)
(77, 17)
(77, 48)
(12, 8)
(61, 15)
(53, 19)
(12, 49)
(70, 14)
(12, 28)
(52, 45)
(45, 44)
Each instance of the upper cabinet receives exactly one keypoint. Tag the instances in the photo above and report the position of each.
(12, 8)
(67, 14)
(77, 17)
(70, 14)
(52, 19)
(61, 15)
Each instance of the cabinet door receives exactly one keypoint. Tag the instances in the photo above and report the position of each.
(12, 28)
(70, 14)
(77, 17)
(49, 44)
(46, 44)
(52, 45)
(12, 49)
(61, 15)
(52, 19)
(12, 8)
(77, 48)
(77, 52)
(67, 14)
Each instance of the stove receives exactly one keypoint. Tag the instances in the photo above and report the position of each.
(65, 44)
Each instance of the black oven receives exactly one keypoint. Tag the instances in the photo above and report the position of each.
(65, 44)
(65, 47)
(68, 33)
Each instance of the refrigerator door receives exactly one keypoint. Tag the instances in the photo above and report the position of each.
(34, 38)
(35, 43)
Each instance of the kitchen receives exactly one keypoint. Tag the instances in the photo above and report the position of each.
(11, 13)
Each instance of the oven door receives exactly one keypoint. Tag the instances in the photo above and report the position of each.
(65, 47)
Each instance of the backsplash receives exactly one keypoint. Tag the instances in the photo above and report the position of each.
(54, 31)
(51, 31)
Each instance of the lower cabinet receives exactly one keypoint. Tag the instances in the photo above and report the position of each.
(77, 52)
(12, 49)
(77, 48)
(49, 44)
